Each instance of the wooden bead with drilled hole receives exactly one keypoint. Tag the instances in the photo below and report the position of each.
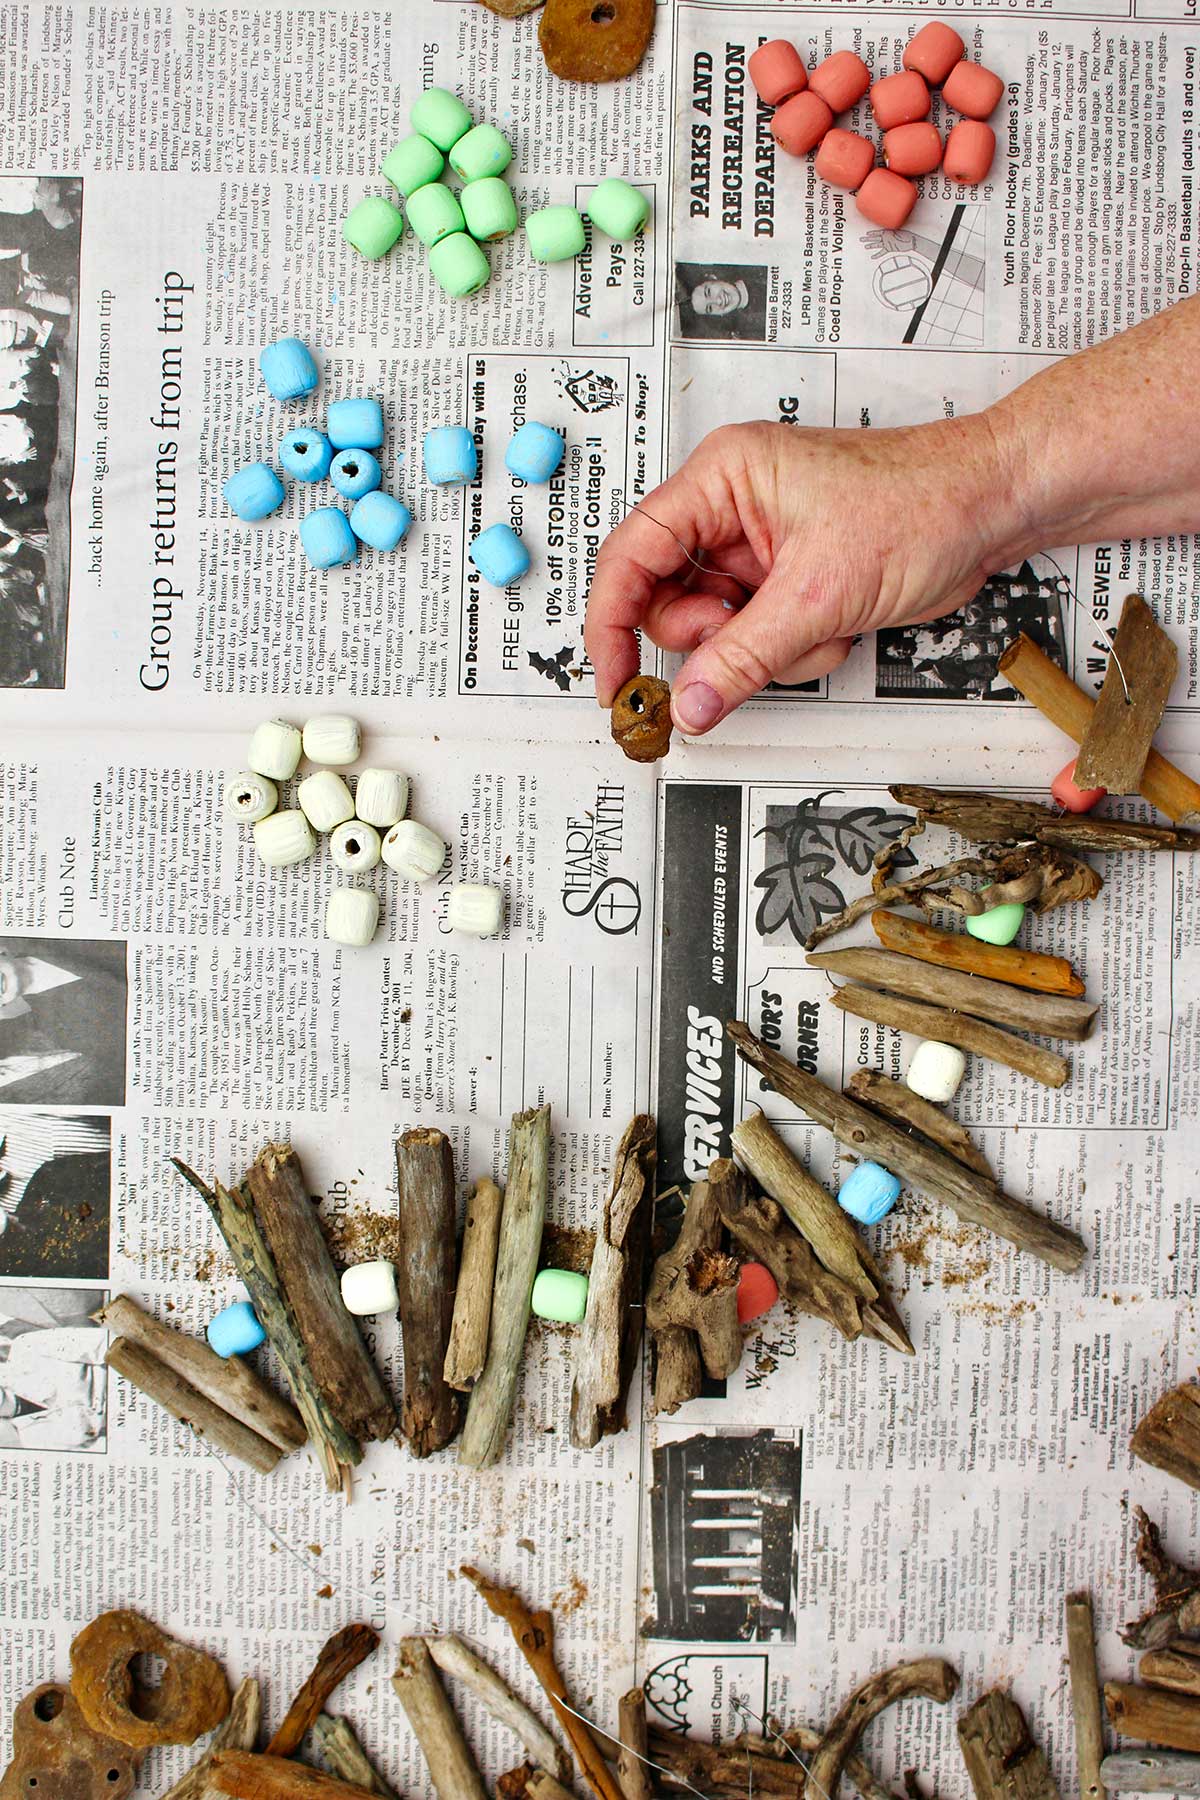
(886, 199)
(970, 147)
(912, 149)
(934, 51)
(973, 90)
(777, 71)
(841, 80)
(801, 123)
(899, 99)
(935, 1071)
(641, 718)
(1069, 795)
(844, 159)
(352, 916)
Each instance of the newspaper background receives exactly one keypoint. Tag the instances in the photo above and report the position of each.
(901, 1508)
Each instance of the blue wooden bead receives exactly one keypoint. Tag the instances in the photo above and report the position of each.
(380, 520)
(236, 1331)
(869, 1193)
(534, 453)
(499, 555)
(355, 424)
(254, 492)
(354, 473)
(327, 538)
(289, 369)
(450, 455)
(306, 455)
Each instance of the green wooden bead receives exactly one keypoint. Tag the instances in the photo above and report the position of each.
(554, 234)
(373, 226)
(483, 151)
(414, 162)
(433, 213)
(999, 925)
(459, 265)
(617, 209)
(561, 1295)
(488, 208)
(440, 116)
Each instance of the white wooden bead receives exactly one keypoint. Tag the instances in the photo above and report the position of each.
(333, 739)
(250, 797)
(476, 908)
(413, 850)
(284, 838)
(354, 847)
(369, 1287)
(325, 800)
(381, 797)
(352, 915)
(936, 1071)
(275, 750)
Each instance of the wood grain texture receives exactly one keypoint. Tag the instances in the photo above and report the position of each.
(1154, 1715)
(922, 1021)
(238, 1731)
(466, 1353)
(1151, 1772)
(677, 1373)
(244, 1776)
(338, 1744)
(958, 950)
(1085, 1695)
(456, 1658)
(452, 1768)
(1122, 726)
(1175, 1666)
(633, 1772)
(1002, 1759)
(338, 1657)
(895, 1100)
(609, 1338)
(999, 819)
(176, 1396)
(1045, 1015)
(425, 1276)
(927, 1677)
(1169, 1436)
(759, 1226)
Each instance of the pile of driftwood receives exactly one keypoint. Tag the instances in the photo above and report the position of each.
(1162, 1708)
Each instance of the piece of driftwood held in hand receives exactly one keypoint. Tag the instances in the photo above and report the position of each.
(1153, 1715)
(1169, 1435)
(895, 1100)
(610, 1336)
(1175, 1666)
(336, 1740)
(1027, 668)
(1044, 1066)
(976, 1200)
(238, 1731)
(998, 819)
(818, 1218)
(1130, 705)
(425, 1267)
(466, 1353)
(1002, 1759)
(452, 1769)
(928, 1677)
(1176, 1609)
(245, 1776)
(1031, 969)
(1045, 1015)
(210, 1422)
(521, 1224)
(1151, 1772)
(641, 718)
(1085, 1695)
(337, 1658)
(677, 1372)
(760, 1227)
(454, 1657)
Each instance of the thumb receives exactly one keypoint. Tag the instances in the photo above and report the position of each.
(774, 637)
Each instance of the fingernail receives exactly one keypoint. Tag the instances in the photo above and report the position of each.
(710, 631)
(696, 707)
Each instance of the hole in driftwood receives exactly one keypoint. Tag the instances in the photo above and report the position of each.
(48, 1706)
(637, 701)
(146, 1699)
(604, 14)
(113, 1775)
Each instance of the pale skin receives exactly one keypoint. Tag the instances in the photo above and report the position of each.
(831, 533)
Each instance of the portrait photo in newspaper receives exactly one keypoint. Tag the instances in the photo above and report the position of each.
(62, 1022)
(724, 302)
(55, 1174)
(53, 1379)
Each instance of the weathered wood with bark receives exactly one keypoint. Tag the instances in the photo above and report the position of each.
(760, 1227)
(633, 1772)
(248, 1777)
(527, 1783)
(928, 1677)
(702, 1298)
(454, 1657)
(425, 1269)
(521, 1224)
(1176, 1609)
(238, 1731)
(998, 819)
(1002, 1759)
(1085, 1695)
(337, 1658)
(467, 1350)
(1169, 1435)
(975, 1200)
(1130, 706)
(1151, 1772)
(452, 1769)
(1044, 1066)
(1153, 1715)
(611, 1333)
(340, 1361)
(958, 950)
(1175, 1666)
(895, 1100)
(725, 1770)
(677, 1372)
(336, 1740)
(191, 1408)
(1046, 1015)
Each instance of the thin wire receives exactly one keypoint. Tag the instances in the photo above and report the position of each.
(1073, 597)
(764, 1722)
(705, 568)
(629, 1749)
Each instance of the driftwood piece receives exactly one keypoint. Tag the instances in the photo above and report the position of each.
(527, 1783)
(1175, 1666)
(1151, 1772)
(998, 819)
(233, 1210)
(702, 1298)
(244, 1776)
(1085, 1695)
(452, 1768)
(1002, 1759)
(1044, 1066)
(725, 1770)
(806, 1740)
(895, 1100)
(760, 1227)
(191, 1697)
(585, 42)
(633, 1733)
(338, 1744)
(209, 1422)
(454, 1657)
(337, 1658)
(677, 1373)
(925, 1167)
(1169, 1436)
(1153, 1715)
(56, 1751)
(512, 9)
(1130, 706)
(929, 1677)
(534, 1635)
(1027, 668)
(425, 1268)
(818, 1217)
(1045, 1015)
(1176, 1609)
(337, 1355)
(611, 1333)
(641, 711)
(521, 1225)
(239, 1731)
(466, 1353)
(1031, 969)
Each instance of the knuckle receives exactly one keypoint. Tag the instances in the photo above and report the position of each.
(743, 667)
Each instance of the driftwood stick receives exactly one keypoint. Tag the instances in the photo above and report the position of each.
(703, 1298)
(975, 1200)
(677, 1373)
(958, 950)
(1175, 1666)
(340, 1362)
(521, 1225)
(534, 1635)
(1169, 1438)
(726, 1770)
(611, 1332)
(190, 1407)
(804, 1738)
(911, 890)
(336, 1740)
(527, 1783)
(338, 1657)
(1044, 1066)
(244, 1776)
(1085, 1695)
(1045, 1015)
(428, 1211)
(227, 1381)
(998, 819)
(632, 1772)
(1151, 1772)
(759, 1225)
(1154, 1715)
(929, 1676)
(1002, 1759)
(237, 1731)
(466, 1352)
(452, 1768)
(454, 1657)
(895, 1100)
(1044, 685)
(1176, 1609)
(1131, 703)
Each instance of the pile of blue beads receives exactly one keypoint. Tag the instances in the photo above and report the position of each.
(533, 456)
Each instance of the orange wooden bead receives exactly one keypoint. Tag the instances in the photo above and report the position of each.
(1066, 790)
(841, 80)
(801, 123)
(934, 52)
(845, 159)
(886, 199)
(757, 1292)
(912, 149)
(777, 71)
(899, 99)
(973, 90)
(970, 148)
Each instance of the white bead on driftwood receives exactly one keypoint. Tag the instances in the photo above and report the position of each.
(936, 1071)
(370, 1288)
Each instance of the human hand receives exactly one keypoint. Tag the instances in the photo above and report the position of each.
(826, 534)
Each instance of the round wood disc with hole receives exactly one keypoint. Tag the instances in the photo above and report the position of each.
(641, 718)
(512, 9)
(191, 1698)
(56, 1750)
(595, 40)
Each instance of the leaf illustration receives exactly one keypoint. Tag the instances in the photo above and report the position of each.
(864, 831)
(796, 896)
